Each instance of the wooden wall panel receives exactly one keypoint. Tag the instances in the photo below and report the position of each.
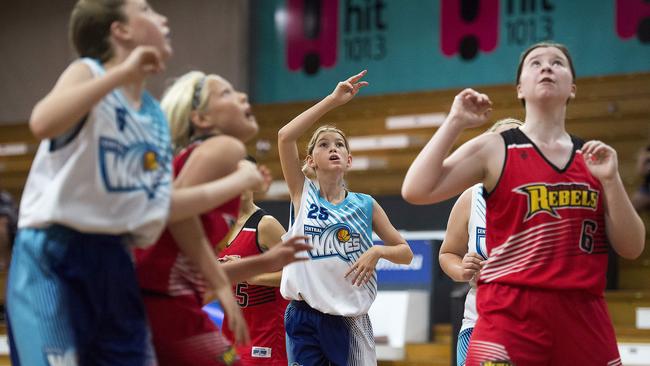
(614, 109)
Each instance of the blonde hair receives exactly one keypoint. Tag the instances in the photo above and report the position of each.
(503, 122)
(309, 172)
(188, 93)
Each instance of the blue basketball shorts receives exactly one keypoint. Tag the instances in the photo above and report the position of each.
(315, 339)
(73, 299)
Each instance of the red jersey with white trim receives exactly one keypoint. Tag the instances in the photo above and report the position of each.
(162, 267)
(545, 225)
(262, 306)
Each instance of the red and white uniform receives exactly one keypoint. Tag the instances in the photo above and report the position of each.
(540, 294)
(172, 289)
(263, 306)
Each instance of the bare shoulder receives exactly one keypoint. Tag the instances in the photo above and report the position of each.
(220, 148)
(490, 142)
(494, 154)
(75, 73)
(268, 221)
(465, 198)
(269, 231)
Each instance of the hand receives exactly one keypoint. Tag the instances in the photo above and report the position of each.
(471, 265)
(267, 178)
(142, 62)
(346, 90)
(284, 253)
(252, 175)
(236, 321)
(601, 160)
(470, 108)
(363, 269)
(229, 258)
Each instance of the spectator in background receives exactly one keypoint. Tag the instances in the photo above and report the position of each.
(8, 221)
(641, 198)
(8, 227)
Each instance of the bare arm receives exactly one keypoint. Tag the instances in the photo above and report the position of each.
(77, 91)
(205, 181)
(625, 229)
(272, 260)
(213, 159)
(191, 240)
(395, 248)
(199, 199)
(291, 132)
(641, 197)
(454, 259)
(432, 177)
(269, 234)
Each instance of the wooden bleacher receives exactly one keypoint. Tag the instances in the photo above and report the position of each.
(614, 109)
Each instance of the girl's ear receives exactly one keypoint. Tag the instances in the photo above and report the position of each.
(120, 30)
(349, 165)
(199, 120)
(310, 162)
(574, 89)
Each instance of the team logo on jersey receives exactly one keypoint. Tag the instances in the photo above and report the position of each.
(333, 240)
(130, 168)
(551, 197)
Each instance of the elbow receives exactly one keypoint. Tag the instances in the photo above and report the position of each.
(283, 135)
(630, 255)
(408, 195)
(632, 252)
(630, 249)
(38, 125)
(413, 197)
(408, 254)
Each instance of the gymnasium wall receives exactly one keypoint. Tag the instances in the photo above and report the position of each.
(303, 46)
(209, 35)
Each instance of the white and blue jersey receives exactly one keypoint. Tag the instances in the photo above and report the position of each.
(475, 244)
(327, 322)
(110, 174)
(72, 295)
(339, 235)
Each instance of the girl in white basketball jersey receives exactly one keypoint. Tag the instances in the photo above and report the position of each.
(327, 321)
(463, 252)
(100, 183)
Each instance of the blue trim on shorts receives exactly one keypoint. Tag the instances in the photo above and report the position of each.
(72, 295)
(463, 345)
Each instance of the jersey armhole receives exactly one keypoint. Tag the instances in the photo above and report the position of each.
(63, 140)
(484, 191)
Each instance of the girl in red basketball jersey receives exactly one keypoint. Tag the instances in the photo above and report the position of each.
(209, 120)
(259, 297)
(554, 204)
